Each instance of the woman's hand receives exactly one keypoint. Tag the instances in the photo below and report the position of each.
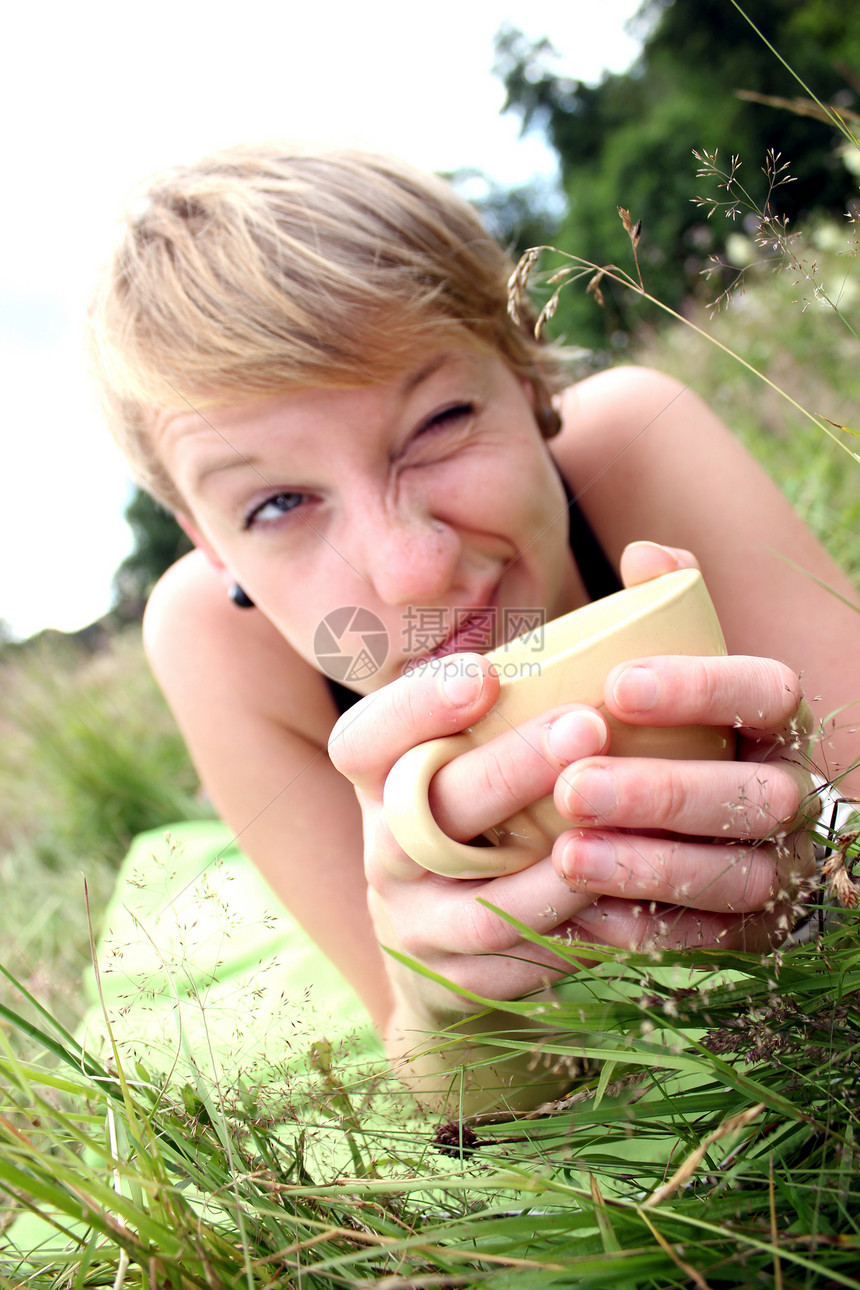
(435, 920)
(733, 850)
(439, 922)
(663, 852)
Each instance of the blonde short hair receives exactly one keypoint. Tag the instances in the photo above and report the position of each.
(269, 268)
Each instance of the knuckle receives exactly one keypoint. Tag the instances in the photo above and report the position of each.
(469, 976)
(670, 798)
(778, 687)
(756, 871)
(413, 943)
(385, 861)
(409, 935)
(379, 727)
(708, 683)
(766, 800)
(790, 686)
(786, 796)
(376, 868)
(497, 780)
(483, 931)
(405, 700)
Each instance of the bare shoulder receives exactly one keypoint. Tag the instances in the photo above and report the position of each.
(205, 651)
(648, 459)
(613, 409)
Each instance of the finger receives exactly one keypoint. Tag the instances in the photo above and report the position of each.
(753, 694)
(723, 879)
(650, 927)
(705, 799)
(384, 858)
(486, 785)
(425, 704)
(795, 741)
(643, 561)
(453, 916)
(442, 922)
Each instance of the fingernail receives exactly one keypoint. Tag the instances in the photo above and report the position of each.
(588, 858)
(637, 689)
(590, 794)
(673, 552)
(462, 682)
(575, 735)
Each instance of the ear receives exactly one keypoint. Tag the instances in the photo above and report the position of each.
(528, 388)
(201, 543)
(546, 415)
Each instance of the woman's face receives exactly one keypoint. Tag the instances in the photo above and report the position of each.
(430, 501)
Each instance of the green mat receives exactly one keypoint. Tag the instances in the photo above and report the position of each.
(202, 970)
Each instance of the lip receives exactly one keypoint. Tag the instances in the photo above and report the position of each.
(476, 633)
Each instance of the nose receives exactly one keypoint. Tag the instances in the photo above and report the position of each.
(408, 555)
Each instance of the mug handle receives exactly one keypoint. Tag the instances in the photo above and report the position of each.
(406, 803)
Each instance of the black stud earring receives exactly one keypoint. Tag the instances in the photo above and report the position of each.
(240, 598)
(549, 421)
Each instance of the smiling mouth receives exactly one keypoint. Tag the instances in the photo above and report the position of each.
(475, 633)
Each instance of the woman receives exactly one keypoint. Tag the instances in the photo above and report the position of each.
(309, 358)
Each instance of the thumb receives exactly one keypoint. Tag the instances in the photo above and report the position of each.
(642, 561)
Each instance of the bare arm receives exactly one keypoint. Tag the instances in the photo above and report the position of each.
(256, 720)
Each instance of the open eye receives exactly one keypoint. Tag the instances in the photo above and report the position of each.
(273, 508)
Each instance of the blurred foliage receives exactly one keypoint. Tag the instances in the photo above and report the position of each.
(628, 140)
(90, 754)
(810, 357)
(710, 1140)
(158, 543)
(518, 218)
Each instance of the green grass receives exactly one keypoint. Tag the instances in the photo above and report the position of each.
(712, 1142)
(89, 756)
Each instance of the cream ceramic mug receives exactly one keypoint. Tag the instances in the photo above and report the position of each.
(672, 614)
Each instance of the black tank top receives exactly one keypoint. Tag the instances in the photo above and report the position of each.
(597, 573)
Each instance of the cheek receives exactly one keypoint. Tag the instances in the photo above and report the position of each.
(545, 501)
(294, 604)
(327, 628)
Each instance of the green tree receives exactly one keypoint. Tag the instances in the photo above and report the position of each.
(158, 543)
(628, 141)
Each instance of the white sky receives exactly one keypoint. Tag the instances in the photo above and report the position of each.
(95, 95)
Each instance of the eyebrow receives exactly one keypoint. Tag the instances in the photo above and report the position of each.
(231, 463)
(409, 385)
(430, 368)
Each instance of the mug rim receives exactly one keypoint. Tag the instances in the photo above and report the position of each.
(645, 595)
